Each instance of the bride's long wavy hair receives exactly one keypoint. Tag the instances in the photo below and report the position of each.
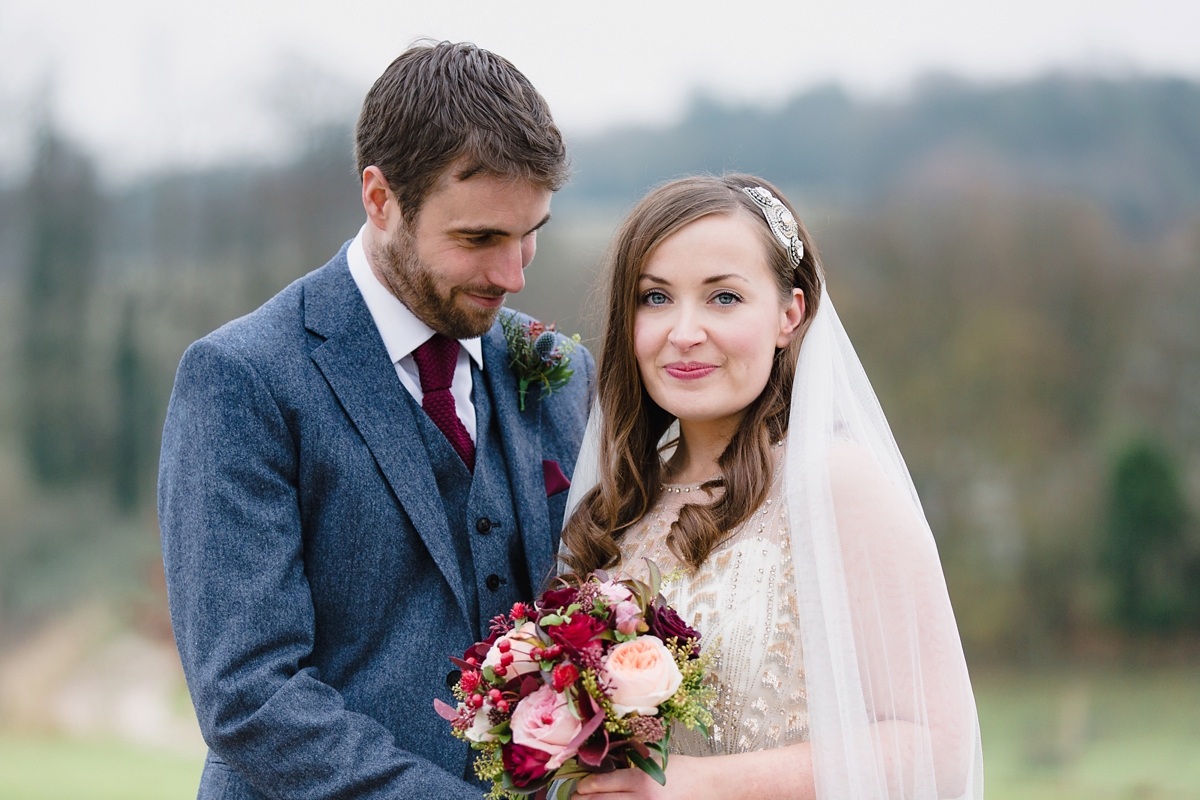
(632, 424)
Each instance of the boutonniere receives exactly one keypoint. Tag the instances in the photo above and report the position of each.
(537, 355)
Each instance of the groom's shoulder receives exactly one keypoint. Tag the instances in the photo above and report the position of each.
(276, 331)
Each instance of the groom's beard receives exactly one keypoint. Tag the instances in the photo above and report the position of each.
(416, 285)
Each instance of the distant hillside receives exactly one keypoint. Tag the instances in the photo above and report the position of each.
(1131, 145)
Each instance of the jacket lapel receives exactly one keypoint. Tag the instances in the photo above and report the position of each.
(521, 434)
(355, 362)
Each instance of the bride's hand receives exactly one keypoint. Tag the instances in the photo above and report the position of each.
(633, 784)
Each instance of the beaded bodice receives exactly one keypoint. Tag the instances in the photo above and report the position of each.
(742, 600)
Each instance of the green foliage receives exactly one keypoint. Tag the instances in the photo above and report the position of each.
(1146, 554)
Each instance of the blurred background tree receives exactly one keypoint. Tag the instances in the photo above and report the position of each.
(1151, 563)
(63, 205)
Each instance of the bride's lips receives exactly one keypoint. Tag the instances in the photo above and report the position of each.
(689, 370)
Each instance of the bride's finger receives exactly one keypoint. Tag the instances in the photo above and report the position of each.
(624, 783)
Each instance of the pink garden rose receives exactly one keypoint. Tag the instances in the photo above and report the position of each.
(543, 721)
(642, 674)
(520, 642)
(614, 592)
(628, 616)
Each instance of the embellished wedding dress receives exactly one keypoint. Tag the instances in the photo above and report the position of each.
(742, 600)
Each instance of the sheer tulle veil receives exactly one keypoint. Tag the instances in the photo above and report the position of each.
(891, 711)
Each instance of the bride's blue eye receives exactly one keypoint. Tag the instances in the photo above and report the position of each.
(726, 298)
(654, 298)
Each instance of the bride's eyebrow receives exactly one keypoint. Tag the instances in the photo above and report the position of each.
(646, 276)
(724, 277)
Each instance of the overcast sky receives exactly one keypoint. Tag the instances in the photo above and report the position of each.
(148, 82)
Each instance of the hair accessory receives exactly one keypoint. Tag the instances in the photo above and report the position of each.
(782, 223)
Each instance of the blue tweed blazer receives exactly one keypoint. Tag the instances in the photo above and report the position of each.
(313, 582)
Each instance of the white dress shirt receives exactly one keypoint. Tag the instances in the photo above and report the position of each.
(403, 333)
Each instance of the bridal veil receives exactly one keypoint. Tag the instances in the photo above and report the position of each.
(891, 711)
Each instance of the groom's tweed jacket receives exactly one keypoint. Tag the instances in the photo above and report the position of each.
(316, 584)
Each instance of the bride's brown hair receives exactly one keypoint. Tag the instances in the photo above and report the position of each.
(632, 424)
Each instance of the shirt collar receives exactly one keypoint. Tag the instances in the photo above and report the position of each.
(401, 330)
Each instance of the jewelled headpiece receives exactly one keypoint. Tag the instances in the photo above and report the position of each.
(782, 223)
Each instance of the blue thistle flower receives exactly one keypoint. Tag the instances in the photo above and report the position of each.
(545, 345)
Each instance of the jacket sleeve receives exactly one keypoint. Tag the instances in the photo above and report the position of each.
(241, 605)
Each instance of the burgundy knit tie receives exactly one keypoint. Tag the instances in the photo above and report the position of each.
(435, 363)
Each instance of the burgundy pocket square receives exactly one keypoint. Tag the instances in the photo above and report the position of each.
(555, 480)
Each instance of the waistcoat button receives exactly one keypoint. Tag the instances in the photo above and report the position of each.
(452, 678)
(493, 582)
(483, 525)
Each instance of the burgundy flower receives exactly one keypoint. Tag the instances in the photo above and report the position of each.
(524, 764)
(479, 650)
(666, 624)
(555, 599)
(574, 635)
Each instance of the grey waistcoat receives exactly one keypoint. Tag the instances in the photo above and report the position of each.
(479, 511)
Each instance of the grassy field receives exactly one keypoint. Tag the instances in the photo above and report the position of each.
(1087, 736)
(65, 769)
(1091, 736)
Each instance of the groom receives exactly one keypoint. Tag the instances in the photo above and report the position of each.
(348, 490)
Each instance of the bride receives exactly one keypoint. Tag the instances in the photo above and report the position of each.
(783, 512)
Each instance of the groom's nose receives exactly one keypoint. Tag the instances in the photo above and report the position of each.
(507, 269)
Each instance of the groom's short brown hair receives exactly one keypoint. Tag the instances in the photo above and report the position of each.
(445, 104)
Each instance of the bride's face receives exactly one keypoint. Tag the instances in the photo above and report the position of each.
(709, 320)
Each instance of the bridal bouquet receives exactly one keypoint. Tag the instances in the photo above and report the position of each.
(589, 679)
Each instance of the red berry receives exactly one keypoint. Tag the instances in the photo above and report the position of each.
(502, 705)
(472, 661)
(477, 700)
(495, 694)
(506, 659)
(504, 645)
(537, 654)
(500, 669)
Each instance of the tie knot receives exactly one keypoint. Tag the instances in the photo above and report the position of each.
(435, 362)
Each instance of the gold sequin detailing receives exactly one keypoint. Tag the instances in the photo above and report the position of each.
(743, 602)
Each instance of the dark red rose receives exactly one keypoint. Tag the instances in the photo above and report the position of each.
(555, 599)
(578, 632)
(666, 624)
(479, 650)
(524, 764)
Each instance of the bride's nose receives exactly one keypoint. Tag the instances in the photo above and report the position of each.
(687, 330)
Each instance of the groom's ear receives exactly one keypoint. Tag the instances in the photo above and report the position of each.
(378, 199)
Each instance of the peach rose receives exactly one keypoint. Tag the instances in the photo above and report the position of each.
(520, 643)
(642, 674)
(543, 721)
